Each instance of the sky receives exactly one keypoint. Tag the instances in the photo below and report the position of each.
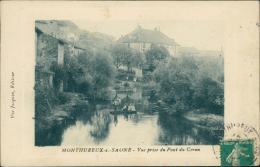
(203, 35)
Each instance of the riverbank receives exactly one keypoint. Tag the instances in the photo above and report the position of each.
(60, 112)
(204, 120)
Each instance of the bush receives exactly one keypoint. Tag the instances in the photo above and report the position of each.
(123, 75)
(209, 94)
(103, 94)
(85, 85)
(117, 81)
(60, 74)
(63, 97)
(44, 99)
(126, 84)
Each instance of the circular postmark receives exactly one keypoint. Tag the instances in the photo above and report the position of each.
(239, 145)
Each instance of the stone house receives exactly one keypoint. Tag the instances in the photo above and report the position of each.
(141, 39)
(42, 73)
(48, 49)
(62, 29)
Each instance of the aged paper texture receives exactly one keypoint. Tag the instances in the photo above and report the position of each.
(138, 136)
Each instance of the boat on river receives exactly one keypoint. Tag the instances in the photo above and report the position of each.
(122, 112)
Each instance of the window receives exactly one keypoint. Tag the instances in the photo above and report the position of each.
(143, 45)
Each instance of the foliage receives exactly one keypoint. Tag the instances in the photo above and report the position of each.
(176, 79)
(85, 84)
(60, 74)
(183, 86)
(102, 70)
(84, 58)
(51, 46)
(44, 99)
(138, 60)
(90, 41)
(123, 55)
(117, 53)
(128, 58)
(147, 77)
(125, 75)
(212, 67)
(103, 94)
(90, 72)
(48, 52)
(154, 55)
(209, 94)
(126, 84)
(63, 97)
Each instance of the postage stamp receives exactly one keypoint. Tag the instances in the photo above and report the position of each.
(238, 152)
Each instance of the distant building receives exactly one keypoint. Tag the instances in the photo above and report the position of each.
(63, 29)
(189, 51)
(141, 39)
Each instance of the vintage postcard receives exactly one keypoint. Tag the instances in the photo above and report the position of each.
(130, 83)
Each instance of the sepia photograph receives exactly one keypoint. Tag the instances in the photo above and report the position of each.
(121, 83)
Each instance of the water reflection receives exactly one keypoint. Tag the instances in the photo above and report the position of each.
(150, 126)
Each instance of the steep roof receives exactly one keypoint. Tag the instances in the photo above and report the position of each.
(59, 22)
(67, 23)
(41, 21)
(147, 36)
(189, 50)
(38, 30)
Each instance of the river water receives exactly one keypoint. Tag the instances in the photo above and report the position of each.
(95, 126)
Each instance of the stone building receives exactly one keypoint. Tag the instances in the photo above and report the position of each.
(141, 39)
(62, 29)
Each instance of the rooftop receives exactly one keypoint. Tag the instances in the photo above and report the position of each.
(147, 36)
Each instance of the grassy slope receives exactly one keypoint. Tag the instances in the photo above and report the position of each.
(204, 120)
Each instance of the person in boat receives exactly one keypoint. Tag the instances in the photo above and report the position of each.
(131, 107)
(125, 108)
(116, 103)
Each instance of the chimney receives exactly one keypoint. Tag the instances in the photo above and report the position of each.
(138, 26)
(155, 29)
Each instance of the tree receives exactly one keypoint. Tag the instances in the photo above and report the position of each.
(122, 55)
(176, 80)
(102, 69)
(209, 93)
(154, 55)
(117, 54)
(128, 58)
(138, 59)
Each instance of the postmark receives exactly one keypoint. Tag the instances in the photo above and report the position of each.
(239, 145)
